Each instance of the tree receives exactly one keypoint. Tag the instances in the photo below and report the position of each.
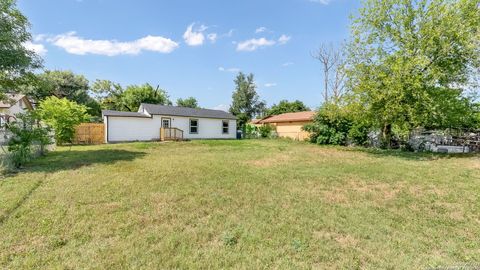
(190, 102)
(285, 106)
(411, 63)
(63, 84)
(16, 61)
(245, 100)
(332, 60)
(134, 95)
(108, 94)
(63, 116)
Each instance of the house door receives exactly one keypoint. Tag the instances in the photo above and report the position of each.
(166, 122)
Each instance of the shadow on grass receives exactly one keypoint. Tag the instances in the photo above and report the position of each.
(420, 156)
(74, 159)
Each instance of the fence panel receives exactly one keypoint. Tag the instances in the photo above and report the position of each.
(89, 133)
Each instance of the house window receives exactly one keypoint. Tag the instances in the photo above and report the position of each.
(194, 126)
(225, 126)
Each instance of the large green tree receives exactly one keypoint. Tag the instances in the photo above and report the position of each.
(190, 102)
(134, 95)
(16, 61)
(245, 101)
(63, 84)
(411, 63)
(285, 106)
(108, 94)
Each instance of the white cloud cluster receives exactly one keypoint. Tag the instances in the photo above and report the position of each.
(268, 85)
(35, 47)
(286, 64)
(77, 45)
(233, 69)
(256, 43)
(221, 107)
(195, 36)
(260, 30)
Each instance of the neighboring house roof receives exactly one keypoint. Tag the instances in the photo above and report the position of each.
(188, 112)
(12, 99)
(124, 114)
(289, 117)
(256, 121)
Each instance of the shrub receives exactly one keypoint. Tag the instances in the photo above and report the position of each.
(330, 126)
(26, 134)
(63, 116)
(251, 131)
(265, 131)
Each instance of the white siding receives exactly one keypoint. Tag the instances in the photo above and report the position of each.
(121, 129)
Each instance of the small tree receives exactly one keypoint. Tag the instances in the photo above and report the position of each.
(63, 116)
(26, 134)
(245, 100)
(190, 102)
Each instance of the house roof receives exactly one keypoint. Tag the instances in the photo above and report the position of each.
(11, 99)
(188, 112)
(124, 114)
(256, 121)
(289, 117)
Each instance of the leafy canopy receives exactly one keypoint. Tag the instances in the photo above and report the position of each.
(63, 116)
(411, 63)
(112, 96)
(63, 84)
(245, 100)
(285, 106)
(16, 62)
(134, 95)
(190, 102)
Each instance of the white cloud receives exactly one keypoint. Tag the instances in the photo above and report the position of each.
(35, 47)
(229, 33)
(287, 64)
(284, 39)
(260, 30)
(253, 44)
(233, 69)
(268, 85)
(221, 107)
(323, 2)
(194, 37)
(212, 37)
(77, 45)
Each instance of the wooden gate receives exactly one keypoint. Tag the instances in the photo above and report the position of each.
(89, 133)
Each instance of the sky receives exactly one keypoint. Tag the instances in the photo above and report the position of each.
(192, 47)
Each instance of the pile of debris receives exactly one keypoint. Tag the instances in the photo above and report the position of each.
(448, 141)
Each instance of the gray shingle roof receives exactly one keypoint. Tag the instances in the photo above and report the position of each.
(188, 112)
(124, 114)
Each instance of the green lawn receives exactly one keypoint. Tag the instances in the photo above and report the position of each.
(241, 204)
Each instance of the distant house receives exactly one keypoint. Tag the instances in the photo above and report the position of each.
(158, 122)
(290, 125)
(14, 104)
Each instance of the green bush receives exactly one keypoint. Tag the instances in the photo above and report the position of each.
(251, 131)
(28, 139)
(335, 125)
(265, 131)
(63, 116)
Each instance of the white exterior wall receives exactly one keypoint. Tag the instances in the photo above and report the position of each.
(123, 129)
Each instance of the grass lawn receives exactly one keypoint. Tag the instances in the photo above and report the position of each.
(241, 204)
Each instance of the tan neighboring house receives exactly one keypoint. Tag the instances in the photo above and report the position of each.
(290, 125)
(15, 103)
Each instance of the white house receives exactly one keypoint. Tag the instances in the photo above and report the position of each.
(14, 104)
(145, 124)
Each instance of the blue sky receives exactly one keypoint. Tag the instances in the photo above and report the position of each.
(192, 48)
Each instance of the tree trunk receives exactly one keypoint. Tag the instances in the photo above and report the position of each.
(387, 136)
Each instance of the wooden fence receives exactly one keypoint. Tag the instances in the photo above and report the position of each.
(89, 133)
